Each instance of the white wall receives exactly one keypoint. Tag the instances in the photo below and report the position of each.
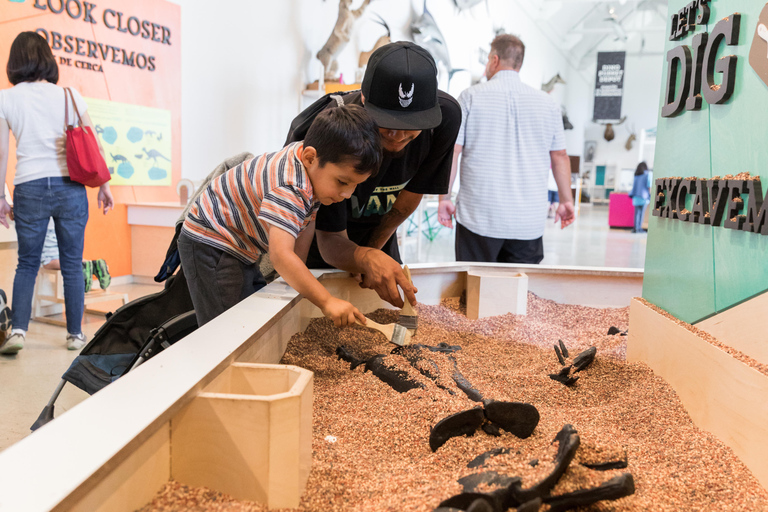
(244, 63)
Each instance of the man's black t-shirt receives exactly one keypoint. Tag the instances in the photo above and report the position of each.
(424, 167)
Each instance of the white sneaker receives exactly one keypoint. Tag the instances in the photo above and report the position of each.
(12, 344)
(75, 341)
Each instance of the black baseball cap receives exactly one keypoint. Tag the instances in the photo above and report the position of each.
(400, 87)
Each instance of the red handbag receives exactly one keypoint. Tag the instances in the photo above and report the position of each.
(84, 161)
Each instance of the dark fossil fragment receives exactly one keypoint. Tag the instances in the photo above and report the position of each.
(613, 489)
(463, 423)
(583, 360)
(564, 376)
(396, 379)
(517, 418)
(481, 459)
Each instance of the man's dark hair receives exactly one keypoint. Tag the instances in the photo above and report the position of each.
(346, 135)
(31, 60)
(641, 168)
(510, 49)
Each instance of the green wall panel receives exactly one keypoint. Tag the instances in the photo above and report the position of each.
(739, 140)
(679, 262)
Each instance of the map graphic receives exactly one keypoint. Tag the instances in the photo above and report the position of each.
(136, 141)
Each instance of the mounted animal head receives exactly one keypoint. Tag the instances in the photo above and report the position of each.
(550, 84)
(609, 134)
(632, 137)
(385, 39)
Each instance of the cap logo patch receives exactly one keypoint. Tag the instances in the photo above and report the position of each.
(406, 97)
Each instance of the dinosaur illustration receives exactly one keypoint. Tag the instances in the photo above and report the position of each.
(154, 155)
(139, 156)
(118, 158)
(149, 133)
(98, 129)
(159, 137)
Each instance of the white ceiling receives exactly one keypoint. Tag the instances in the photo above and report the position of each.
(580, 28)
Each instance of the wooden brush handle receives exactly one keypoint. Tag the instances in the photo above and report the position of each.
(407, 307)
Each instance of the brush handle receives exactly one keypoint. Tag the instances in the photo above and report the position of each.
(407, 307)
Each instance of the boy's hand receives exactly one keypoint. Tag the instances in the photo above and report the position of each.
(342, 312)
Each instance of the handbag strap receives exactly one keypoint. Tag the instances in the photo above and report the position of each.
(67, 90)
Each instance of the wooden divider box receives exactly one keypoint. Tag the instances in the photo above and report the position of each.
(248, 434)
(491, 293)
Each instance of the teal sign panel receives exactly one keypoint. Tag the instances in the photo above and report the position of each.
(694, 271)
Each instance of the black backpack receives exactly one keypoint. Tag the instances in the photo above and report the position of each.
(301, 123)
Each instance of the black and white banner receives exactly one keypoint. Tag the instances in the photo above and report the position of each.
(609, 86)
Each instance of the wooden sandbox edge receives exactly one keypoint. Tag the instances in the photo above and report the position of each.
(721, 394)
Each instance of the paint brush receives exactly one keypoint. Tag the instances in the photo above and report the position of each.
(408, 316)
(395, 333)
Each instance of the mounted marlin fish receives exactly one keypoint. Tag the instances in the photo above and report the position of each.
(426, 34)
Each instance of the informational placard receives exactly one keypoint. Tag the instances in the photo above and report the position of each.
(136, 141)
(609, 86)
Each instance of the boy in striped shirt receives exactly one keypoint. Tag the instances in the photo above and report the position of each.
(269, 204)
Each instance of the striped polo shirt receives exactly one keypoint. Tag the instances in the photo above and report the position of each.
(234, 211)
(507, 130)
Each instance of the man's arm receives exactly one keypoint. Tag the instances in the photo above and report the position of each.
(561, 170)
(405, 204)
(381, 273)
(446, 209)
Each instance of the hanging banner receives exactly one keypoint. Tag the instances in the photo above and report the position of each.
(609, 86)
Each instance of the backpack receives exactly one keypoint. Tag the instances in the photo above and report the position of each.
(301, 123)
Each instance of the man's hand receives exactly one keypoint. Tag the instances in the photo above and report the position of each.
(342, 312)
(106, 202)
(384, 275)
(565, 214)
(445, 212)
(5, 210)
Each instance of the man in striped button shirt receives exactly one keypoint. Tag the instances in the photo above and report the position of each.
(510, 136)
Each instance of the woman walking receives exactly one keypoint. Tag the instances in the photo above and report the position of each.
(33, 109)
(641, 194)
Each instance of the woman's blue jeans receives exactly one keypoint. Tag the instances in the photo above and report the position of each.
(34, 202)
(639, 214)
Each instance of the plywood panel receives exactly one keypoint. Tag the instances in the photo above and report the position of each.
(721, 394)
(148, 247)
(135, 482)
(743, 327)
(678, 259)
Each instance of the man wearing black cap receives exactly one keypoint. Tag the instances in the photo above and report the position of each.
(418, 126)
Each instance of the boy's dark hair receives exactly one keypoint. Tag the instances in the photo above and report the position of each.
(31, 60)
(346, 135)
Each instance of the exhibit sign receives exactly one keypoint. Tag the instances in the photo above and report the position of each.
(124, 57)
(136, 141)
(712, 200)
(707, 232)
(609, 86)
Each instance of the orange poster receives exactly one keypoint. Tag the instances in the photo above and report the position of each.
(127, 53)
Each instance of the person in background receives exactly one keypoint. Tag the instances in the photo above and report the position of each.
(418, 125)
(552, 196)
(50, 260)
(510, 136)
(33, 109)
(641, 195)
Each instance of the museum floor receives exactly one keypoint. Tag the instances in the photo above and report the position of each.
(28, 379)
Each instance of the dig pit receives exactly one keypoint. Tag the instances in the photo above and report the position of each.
(370, 442)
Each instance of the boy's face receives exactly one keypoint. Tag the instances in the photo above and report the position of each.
(332, 183)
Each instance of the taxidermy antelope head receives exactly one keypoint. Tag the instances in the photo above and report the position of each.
(385, 39)
(632, 137)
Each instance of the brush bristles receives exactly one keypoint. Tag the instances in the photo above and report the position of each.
(398, 335)
(409, 322)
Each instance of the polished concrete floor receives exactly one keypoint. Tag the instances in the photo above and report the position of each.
(28, 379)
(588, 242)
